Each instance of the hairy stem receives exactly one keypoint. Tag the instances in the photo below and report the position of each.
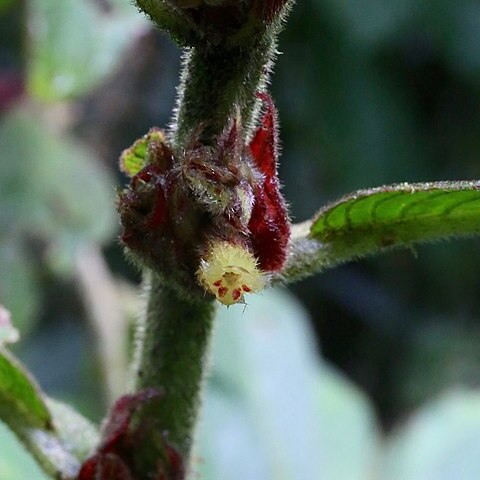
(173, 347)
(173, 342)
(216, 82)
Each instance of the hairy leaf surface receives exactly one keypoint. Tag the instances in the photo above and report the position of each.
(369, 221)
(401, 213)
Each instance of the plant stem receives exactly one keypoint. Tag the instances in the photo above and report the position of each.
(173, 347)
(173, 342)
(215, 82)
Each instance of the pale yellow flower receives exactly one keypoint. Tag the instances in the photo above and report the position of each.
(229, 271)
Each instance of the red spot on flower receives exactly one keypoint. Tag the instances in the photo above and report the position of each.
(246, 289)
(236, 294)
(269, 224)
(217, 283)
(222, 291)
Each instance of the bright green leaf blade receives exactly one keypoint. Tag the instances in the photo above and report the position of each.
(20, 399)
(134, 158)
(439, 442)
(401, 214)
(272, 410)
(369, 221)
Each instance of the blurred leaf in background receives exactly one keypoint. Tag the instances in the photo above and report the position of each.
(51, 190)
(57, 195)
(74, 45)
(273, 409)
(440, 442)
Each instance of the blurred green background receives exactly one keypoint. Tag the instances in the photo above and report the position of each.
(369, 92)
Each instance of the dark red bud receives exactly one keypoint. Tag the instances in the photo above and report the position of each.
(117, 425)
(143, 207)
(115, 457)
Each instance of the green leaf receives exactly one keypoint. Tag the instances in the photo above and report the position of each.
(133, 159)
(439, 442)
(369, 221)
(20, 398)
(403, 213)
(273, 409)
(74, 45)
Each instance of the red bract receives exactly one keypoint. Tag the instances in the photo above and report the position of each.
(269, 224)
(115, 456)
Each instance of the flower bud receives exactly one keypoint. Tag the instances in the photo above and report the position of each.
(115, 459)
(208, 216)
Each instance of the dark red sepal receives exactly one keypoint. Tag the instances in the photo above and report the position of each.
(264, 145)
(269, 224)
